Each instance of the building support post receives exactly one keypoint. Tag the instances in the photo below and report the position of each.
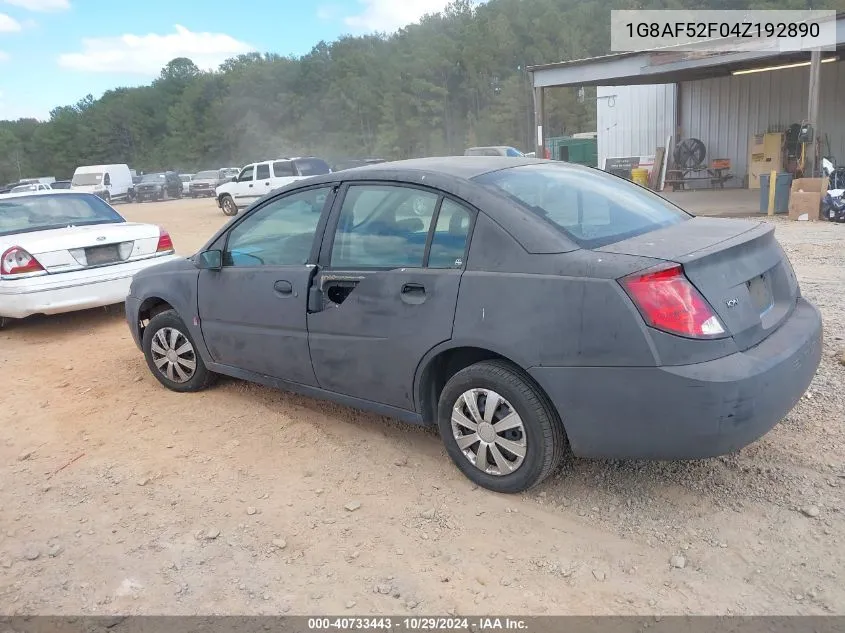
(539, 117)
(813, 110)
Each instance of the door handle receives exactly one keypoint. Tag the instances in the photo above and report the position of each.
(266, 184)
(283, 287)
(413, 293)
(250, 185)
(409, 289)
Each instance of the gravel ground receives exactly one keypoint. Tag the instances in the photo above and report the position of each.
(117, 496)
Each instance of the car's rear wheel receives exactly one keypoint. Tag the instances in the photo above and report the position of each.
(499, 428)
(228, 205)
(172, 354)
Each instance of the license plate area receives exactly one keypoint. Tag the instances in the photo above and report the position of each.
(101, 255)
(760, 291)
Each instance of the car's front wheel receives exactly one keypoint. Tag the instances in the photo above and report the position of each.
(498, 427)
(228, 205)
(172, 354)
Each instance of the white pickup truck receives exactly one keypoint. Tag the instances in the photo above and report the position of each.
(258, 179)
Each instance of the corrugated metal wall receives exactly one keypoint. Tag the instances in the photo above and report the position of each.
(722, 112)
(726, 111)
(633, 120)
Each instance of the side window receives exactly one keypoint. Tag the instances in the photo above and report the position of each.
(449, 242)
(312, 167)
(283, 169)
(246, 174)
(278, 234)
(262, 171)
(383, 226)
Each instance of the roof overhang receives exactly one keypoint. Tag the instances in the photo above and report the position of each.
(663, 66)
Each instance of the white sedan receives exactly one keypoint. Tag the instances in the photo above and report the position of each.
(64, 250)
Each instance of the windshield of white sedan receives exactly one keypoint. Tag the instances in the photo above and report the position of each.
(86, 180)
(591, 207)
(43, 212)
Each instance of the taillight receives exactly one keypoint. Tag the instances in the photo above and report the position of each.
(165, 244)
(669, 302)
(16, 261)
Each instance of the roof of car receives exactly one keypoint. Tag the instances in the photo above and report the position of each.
(465, 167)
(45, 192)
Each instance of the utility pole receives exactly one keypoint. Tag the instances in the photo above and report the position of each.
(813, 110)
(539, 115)
(18, 162)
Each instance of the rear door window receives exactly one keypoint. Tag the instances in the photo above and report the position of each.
(592, 207)
(449, 242)
(262, 171)
(383, 226)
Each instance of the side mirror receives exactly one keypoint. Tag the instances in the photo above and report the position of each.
(210, 260)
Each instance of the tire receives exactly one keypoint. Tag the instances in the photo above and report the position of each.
(161, 327)
(540, 436)
(228, 205)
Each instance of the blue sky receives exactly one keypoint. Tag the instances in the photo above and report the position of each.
(54, 52)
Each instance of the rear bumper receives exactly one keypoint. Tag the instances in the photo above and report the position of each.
(688, 411)
(67, 292)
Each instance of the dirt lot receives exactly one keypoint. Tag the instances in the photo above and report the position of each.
(117, 496)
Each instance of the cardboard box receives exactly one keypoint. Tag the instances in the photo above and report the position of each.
(805, 205)
(809, 185)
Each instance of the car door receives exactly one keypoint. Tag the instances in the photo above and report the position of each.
(387, 288)
(263, 182)
(253, 310)
(244, 187)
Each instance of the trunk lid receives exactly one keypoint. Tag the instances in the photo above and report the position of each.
(737, 265)
(77, 247)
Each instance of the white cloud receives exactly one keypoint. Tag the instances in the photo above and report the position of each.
(8, 24)
(41, 6)
(4, 57)
(389, 15)
(327, 12)
(147, 54)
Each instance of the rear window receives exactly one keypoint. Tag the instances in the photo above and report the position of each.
(312, 167)
(206, 175)
(590, 206)
(39, 213)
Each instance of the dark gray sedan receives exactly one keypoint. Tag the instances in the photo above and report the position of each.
(522, 306)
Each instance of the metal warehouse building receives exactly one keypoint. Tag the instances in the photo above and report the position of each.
(722, 99)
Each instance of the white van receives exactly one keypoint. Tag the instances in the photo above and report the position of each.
(110, 182)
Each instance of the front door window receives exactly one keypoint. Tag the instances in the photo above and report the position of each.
(279, 234)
